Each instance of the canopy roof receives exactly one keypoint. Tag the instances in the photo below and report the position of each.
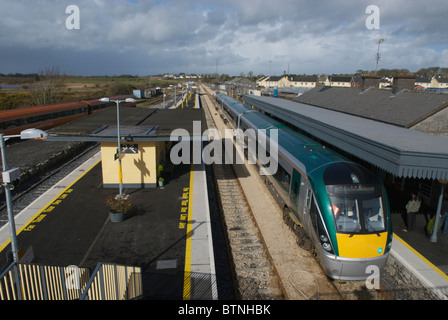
(400, 151)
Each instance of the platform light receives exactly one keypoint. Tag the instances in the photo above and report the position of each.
(33, 134)
(9, 175)
(120, 170)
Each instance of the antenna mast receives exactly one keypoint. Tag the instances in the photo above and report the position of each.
(378, 54)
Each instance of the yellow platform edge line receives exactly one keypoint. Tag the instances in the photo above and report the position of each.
(187, 271)
(47, 205)
(420, 256)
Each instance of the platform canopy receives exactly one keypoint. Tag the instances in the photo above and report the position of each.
(400, 151)
(136, 124)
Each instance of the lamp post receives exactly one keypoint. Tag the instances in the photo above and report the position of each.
(9, 175)
(120, 171)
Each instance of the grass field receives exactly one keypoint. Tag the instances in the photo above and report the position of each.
(73, 88)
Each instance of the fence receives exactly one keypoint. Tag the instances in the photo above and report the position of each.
(37, 282)
(114, 282)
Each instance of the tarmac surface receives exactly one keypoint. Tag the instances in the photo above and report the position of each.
(74, 228)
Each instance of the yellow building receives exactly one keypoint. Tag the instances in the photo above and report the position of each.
(139, 160)
(145, 141)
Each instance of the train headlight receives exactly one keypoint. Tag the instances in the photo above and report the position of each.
(323, 236)
(326, 246)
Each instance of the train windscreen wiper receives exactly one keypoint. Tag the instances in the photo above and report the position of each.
(354, 231)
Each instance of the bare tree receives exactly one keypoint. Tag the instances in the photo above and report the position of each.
(50, 89)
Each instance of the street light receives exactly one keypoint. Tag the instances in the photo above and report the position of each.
(9, 175)
(120, 171)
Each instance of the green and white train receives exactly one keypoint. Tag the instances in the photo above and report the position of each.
(339, 207)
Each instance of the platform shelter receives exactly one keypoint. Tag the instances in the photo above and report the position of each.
(146, 139)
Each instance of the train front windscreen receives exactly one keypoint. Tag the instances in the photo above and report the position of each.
(356, 198)
(357, 208)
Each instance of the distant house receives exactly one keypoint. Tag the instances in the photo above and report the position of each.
(423, 82)
(437, 82)
(283, 82)
(288, 81)
(269, 82)
(338, 81)
(261, 81)
(303, 81)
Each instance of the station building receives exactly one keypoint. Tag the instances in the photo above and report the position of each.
(145, 140)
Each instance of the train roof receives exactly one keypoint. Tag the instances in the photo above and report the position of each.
(36, 110)
(312, 154)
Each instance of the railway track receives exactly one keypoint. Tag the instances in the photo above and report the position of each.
(255, 275)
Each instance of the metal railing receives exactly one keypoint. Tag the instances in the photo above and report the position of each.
(114, 282)
(37, 282)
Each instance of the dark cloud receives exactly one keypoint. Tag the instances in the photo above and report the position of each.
(144, 37)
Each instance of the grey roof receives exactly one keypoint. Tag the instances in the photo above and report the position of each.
(423, 79)
(400, 151)
(136, 124)
(303, 78)
(340, 78)
(275, 78)
(402, 109)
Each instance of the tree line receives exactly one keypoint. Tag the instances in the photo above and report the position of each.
(422, 72)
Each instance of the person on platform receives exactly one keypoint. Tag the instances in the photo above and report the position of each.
(412, 208)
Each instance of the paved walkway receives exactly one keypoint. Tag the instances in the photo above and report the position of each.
(168, 234)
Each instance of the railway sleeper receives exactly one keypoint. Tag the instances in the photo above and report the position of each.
(253, 288)
(251, 263)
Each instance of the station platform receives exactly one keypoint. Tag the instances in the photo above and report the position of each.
(168, 235)
(428, 261)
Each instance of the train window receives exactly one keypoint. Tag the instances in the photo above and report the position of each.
(295, 191)
(308, 198)
(373, 214)
(314, 215)
(283, 177)
(346, 214)
(358, 214)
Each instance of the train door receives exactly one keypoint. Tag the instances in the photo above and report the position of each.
(295, 188)
(304, 203)
(294, 194)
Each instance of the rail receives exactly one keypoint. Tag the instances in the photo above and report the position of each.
(37, 282)
(114, 282)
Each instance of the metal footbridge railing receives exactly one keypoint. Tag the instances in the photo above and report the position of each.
(38, 282)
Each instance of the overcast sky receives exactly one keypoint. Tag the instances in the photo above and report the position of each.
(145, 37)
